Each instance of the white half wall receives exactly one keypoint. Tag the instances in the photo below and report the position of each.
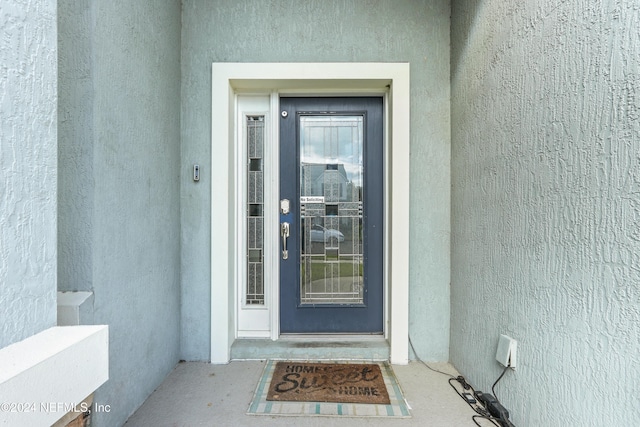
(45, 375)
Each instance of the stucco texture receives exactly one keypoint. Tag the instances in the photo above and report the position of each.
(324, 31)
(75, 146)
(119, 199)
(28, 126)
(546, 205)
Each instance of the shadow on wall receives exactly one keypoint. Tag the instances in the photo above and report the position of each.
(463, 32)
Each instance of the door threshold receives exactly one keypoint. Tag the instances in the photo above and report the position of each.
(313, 347)
(332, 337)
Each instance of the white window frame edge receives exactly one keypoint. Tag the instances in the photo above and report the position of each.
(311, 78)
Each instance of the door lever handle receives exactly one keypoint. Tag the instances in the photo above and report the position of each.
(284, 232)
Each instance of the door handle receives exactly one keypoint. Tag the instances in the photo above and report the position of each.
(284, 232)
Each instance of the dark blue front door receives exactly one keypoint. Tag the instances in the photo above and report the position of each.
(331, 173)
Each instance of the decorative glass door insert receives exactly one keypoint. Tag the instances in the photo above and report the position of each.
(331, 181)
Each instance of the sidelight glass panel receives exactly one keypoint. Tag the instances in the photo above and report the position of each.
(255, 131)
(331, 181)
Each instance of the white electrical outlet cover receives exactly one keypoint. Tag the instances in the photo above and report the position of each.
(506, 353)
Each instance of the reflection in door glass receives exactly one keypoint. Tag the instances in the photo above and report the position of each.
(331, 180)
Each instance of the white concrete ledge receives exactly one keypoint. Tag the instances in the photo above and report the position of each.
(45, 375)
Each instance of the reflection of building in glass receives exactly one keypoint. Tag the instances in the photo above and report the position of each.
(331, 261)
(328, 180)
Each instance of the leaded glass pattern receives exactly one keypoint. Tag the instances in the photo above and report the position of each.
(331, 181)
(255, 131)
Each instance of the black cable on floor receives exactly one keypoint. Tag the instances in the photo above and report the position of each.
(492, 419)
(479, 409)
(420, 360)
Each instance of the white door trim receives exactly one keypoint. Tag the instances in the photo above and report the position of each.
(228, 79)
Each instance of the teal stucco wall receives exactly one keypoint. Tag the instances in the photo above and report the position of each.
(546, 205)
(28, 169)
(119, 196)
(324, 31)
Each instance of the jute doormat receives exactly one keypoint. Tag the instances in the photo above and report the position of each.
(328, 382)
(397, 408)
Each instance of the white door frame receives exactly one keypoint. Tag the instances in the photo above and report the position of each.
(228, 79)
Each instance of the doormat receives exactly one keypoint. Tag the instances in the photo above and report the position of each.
(328, 382)
(262, 405)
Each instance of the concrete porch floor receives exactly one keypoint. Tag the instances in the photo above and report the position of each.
(201, 394)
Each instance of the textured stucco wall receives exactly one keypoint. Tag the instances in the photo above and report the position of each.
(546, 205)
(324, 31)
(125, 58)
(28, 168)
(75, 146)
